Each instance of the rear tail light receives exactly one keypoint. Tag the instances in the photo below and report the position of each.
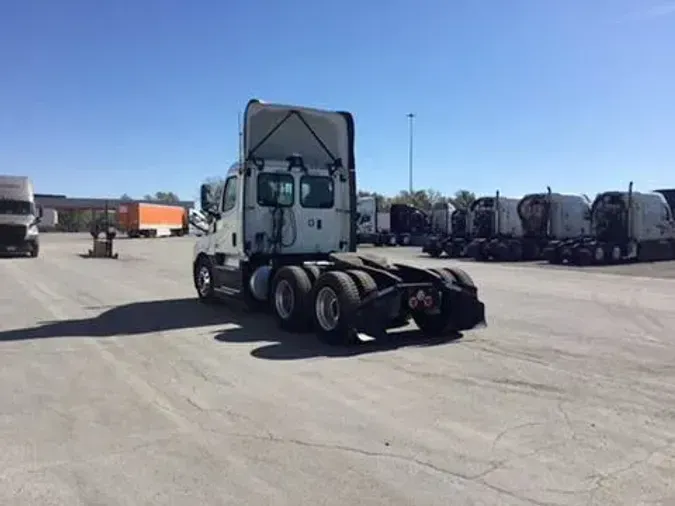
(413, 302)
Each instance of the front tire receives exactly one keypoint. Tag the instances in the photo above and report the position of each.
(203, 278)
(336, 298)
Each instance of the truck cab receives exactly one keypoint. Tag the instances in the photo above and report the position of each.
(278, 205)
(448, 231)
(632, 226)
(549, 219)
(283, 236)
(19, 217)
(627, 226)
(495, 229)
(409, 224)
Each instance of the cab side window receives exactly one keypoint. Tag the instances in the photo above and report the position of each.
(230, 194)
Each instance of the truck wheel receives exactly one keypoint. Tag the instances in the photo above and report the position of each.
(313, 272)
(616, 254)
(515, 252)
(584, 257)
(443, 322)
(501, 252)
(436, 324)
(203, 277)
(457, 275)
(34, 251)
(364, 282)
(290, 293)
(336, 297)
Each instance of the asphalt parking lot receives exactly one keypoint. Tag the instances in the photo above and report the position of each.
(120, 389)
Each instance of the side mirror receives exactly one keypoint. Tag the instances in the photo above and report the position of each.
(206, 201)
(205, 197)
(41, 212)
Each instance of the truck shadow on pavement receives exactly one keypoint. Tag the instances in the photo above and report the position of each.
(289, 346)
(183, 314)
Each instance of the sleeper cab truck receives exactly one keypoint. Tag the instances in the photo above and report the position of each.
(19, 217)
(409, 224)
(372, 225)
(496, 229)
(448, 231)
(284, 238)
(627, 226)
(549, 219)
(142, 219)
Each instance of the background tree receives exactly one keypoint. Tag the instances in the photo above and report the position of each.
(463, 199)
(166, 197)
(126, 198)
(161, 197)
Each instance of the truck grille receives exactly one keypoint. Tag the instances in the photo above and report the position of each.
(12, 234)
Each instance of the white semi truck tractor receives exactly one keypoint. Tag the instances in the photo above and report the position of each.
(449, 231)
(284, 238)
(627, 226)
(19, 217)
(549, 219)
(496, 230)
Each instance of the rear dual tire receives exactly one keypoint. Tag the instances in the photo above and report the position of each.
(326, 302)
(337, 296)
(291, 289)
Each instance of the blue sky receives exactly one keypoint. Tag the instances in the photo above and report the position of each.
(99, 98)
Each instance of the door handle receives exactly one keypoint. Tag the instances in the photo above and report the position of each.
(234, 239)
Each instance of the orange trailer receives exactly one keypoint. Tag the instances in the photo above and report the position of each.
(140, 219)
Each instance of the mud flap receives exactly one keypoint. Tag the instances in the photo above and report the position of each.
(374, 315)
(467, 311)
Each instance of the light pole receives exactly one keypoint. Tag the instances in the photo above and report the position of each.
(411, 116)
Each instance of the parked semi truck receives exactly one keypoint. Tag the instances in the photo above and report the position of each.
(449, 231)
(627, 226)
(496, 230)
(285, 238)
(142, 219)
(19, 217)
(547, 219)
(372, 224)
(409, 224)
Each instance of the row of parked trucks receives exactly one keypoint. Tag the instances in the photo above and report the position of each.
(615, 227)
(402, 225)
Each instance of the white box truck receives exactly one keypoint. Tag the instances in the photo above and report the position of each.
(19, 217)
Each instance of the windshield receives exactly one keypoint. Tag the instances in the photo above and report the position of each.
(534, 215)
(484, 217)
(459, 223)
(21, 207)
(439, 220)
(610, 217)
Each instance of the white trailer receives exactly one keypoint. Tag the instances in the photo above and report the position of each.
(50, 219)
(372, 226)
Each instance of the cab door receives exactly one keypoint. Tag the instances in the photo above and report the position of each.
(226, 244)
